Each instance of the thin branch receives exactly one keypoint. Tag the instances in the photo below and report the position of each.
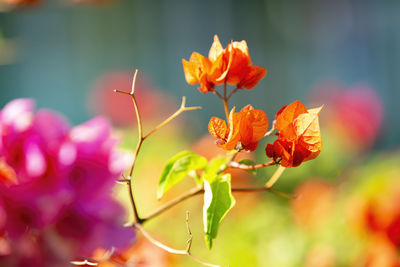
(169, 249)
(189, 242)
(138, 146)
(198, 191)
(134, 82)
(225, 90)
(275, 177)
(181, 109)
(218, 94)
(271, 131)
(193, 192)
(225, 102)
(141, 139)
(237, 165)
(233, 91)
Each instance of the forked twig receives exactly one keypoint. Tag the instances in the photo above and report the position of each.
(172, 250)
(142, 137)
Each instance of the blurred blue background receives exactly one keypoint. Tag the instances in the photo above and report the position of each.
(56, 50)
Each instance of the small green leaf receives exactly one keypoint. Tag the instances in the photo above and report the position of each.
(213, 168)
(177, 168)
(249, 163)
(218, 200)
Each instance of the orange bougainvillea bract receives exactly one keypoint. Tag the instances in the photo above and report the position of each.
(244, 128)
(299, 137)
(231, 65)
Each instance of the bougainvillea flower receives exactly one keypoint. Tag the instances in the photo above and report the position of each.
(241, 71)
(299, 137)
(231, 65)
(55, 185)
(206, 71)
(244, 129)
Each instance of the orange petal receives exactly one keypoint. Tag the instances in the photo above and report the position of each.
(239, 63)
(254, 75)
(217, 128)
(216, 49)
(307, 121)
(253, 125)
(260, 124)
(223, 63)
(218, 70)
(307, 127)
(234, 134)
(242, 47)
(279, 151)
(190, 73)
(197, 66)
(285, 119)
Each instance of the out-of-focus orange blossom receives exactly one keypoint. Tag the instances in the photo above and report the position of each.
(231, 65)
(320, 255)
(247, 127)
(299, 137)
(142, 253)
(313, 203)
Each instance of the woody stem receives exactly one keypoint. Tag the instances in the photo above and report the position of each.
(225, 102)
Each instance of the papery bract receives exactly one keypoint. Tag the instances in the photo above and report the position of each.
(247, 127)
(299, 137)
(231, 65)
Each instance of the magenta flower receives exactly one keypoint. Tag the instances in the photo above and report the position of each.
(55, 184)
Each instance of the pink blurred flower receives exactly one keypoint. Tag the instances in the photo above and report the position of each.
(55, 184)
(354, 113)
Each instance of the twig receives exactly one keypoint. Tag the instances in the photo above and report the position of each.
(189, 242)
(198, 191)
(233, 91)
(271, 131)
(193, 192)
(237, 165)
(142, 137)
(138, 146)
(182, 108)
(224, 100)
(275, 177)
(172, 250)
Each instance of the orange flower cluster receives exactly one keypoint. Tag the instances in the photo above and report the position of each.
(244, 129)
(231, 65)
(299, 137)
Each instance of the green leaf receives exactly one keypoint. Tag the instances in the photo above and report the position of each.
(177, 168)
(218, 200)
(249, 163)
(213, 168)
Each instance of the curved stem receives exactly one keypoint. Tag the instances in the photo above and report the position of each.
(225, 102)
(237, 165)
(193, 192)
(197, 191)
(141, 139)
(277, 174)
(172, 250)
(173, 116)
(233, 91)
